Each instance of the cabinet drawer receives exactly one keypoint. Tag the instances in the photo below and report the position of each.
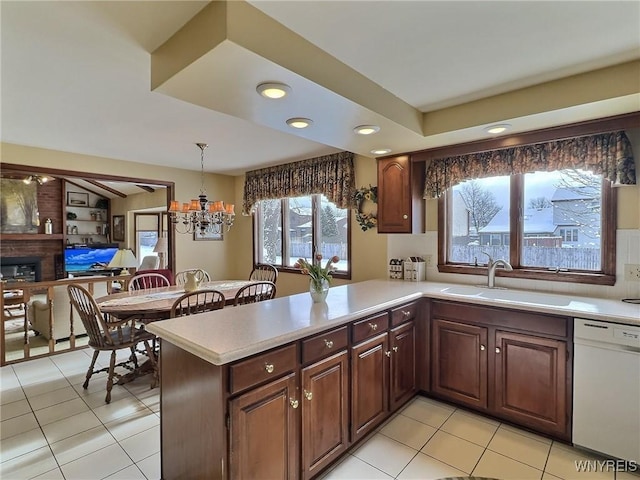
(402, 314)
(266, 366)
(324, 344)
(370, 326)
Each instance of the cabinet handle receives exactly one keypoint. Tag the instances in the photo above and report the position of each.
(269, 367)
(308, 395)
(294, 403)
(482, 348)
(329, 343)
(406, 314)
(373, 326)
(497, 349)
(405, 217)
(388, 354)
(395, 349)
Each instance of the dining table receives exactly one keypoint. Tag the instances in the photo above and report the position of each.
(151, 304)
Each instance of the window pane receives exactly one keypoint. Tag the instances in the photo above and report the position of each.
(333, 233)
(146, 241)
(562, 220)
(300, 229)
(271, 235)
(479, 220)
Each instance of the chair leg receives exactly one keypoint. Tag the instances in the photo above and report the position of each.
(154, 362)
(112, 366)
(90, 371)
(134, 357)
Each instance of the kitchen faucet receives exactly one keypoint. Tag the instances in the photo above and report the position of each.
(491, 269)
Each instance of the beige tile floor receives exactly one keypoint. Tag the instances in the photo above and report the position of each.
(53, 429)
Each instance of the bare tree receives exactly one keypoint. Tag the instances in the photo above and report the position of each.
(480, 202)
(539, 203)
(582, 206)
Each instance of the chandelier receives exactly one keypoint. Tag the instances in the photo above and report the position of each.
(201, 216)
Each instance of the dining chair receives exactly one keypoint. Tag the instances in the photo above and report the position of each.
(264, 271)
(144, 280)
(107, 333)
(255, 292)
(197, 302)
(181, 277)
(149, 262)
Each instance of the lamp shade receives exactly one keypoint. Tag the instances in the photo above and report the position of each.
(161, 245)
(124, 258)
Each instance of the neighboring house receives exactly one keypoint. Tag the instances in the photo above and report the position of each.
(573, 220)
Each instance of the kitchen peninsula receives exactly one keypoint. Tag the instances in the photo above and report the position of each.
(285, 387)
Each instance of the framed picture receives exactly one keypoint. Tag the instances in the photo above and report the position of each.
(77, 199)
(197, 236)
(19, 206)
(118, 228)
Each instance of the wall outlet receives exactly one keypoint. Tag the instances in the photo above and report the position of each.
(428, 260)
(631, 272)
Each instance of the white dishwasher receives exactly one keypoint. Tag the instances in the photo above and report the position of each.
(606, 388)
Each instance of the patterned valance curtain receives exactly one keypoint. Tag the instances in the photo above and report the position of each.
(607, 154)
(331, 175)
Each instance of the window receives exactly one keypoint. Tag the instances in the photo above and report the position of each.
(565, 230)
(148, 230)
(299, 227)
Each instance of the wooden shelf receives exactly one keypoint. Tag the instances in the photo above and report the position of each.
(30, 236)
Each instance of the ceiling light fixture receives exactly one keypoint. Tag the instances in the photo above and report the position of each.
(201, 216)
(273, 90)
(381, 151)
(366, 129)
(496, 129)
(39, 179)
(299, 122)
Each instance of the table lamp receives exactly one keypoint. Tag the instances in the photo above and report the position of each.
(161, 248)
(124, 259)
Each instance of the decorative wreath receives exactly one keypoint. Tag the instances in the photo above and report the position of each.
(366, 220)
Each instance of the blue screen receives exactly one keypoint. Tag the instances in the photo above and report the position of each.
(87, 258)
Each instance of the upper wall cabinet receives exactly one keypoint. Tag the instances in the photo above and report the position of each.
(400, 203)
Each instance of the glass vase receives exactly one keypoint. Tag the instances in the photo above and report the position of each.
(318, 289)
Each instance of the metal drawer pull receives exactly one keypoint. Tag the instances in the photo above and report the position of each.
(269, 367)
(482, 348)
(406, 314)
(395, 349)
(373, 326)
(388, 354)
(497, 349)
(328, 343)
(308, 395)
(294, 403)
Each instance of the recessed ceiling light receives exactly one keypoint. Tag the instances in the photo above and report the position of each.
(495, 129)
(299, 122)
(381, 151)
(273, 90)
(366, 129)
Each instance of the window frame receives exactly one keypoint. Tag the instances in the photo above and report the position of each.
(284, 206)
(606, 276)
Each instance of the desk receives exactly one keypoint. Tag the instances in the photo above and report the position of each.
(155, 303)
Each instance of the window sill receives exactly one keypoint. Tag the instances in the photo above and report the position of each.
(534, 274)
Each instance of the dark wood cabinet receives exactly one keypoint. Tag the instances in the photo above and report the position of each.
(513, 365)
(403, 364)
(263, 433)
(400, 203)
(459, 368)
(325, 412)
(369, 384)
(531, 381)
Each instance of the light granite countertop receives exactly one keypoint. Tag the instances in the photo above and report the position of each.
(233, 333)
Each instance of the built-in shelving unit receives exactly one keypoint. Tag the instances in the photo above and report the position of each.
(87, 216)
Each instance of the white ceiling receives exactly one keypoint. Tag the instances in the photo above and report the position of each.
(76, 75)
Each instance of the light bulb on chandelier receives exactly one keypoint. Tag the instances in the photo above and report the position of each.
(201, 216)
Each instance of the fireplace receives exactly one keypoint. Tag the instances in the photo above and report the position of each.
(21, 269)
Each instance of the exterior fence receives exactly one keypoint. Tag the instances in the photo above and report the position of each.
(581, 258)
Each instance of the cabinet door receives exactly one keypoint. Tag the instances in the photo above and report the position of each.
(369, 384)
(403, 364)
(325, 412)
(394, 195)
(459, 364)
(530, 381)
(263, 432)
